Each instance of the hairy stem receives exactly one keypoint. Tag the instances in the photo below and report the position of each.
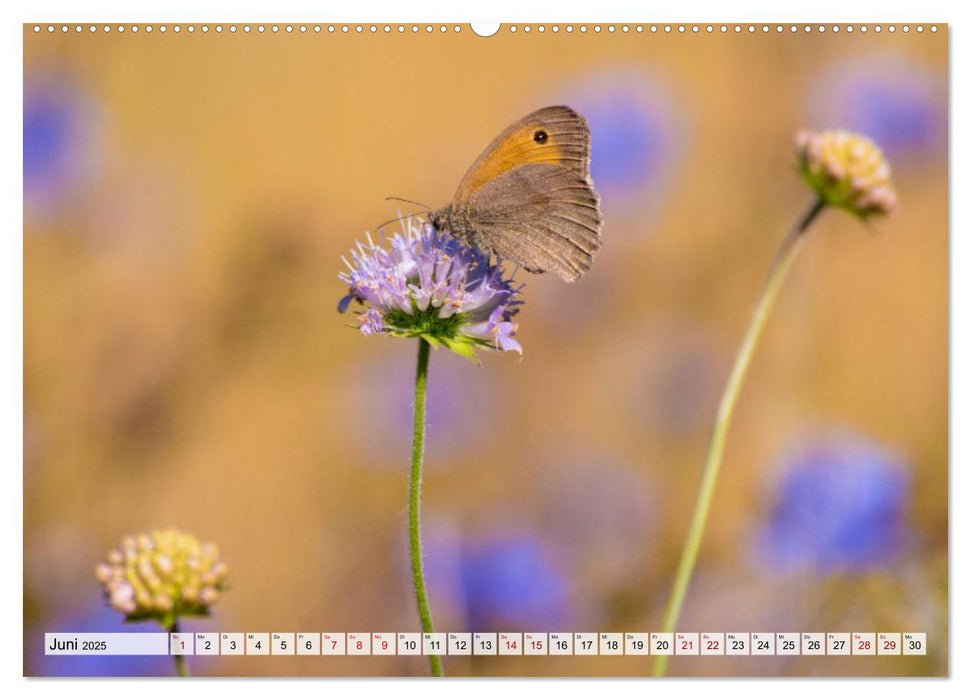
(414, 499)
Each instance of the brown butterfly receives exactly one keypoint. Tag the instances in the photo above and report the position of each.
(529, 198)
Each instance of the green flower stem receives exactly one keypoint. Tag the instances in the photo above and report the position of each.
(414, 499)
(181, 667)
(726, 408)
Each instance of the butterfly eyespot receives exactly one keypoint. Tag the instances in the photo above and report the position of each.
(540, 136)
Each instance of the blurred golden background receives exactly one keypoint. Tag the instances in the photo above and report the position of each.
(187, 198)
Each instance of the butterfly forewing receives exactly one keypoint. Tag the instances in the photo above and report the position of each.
(549, 135)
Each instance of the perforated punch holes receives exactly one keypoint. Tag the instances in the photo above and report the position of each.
(482, 29)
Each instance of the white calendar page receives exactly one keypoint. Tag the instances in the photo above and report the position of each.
(219, 465)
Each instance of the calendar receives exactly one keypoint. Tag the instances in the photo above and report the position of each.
(487, 644)
(390, 346)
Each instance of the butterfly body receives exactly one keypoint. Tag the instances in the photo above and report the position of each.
(529, 198)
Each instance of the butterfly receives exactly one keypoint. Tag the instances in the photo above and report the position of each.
(528, 197)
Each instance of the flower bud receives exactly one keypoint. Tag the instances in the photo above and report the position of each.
(157, 576)
(847, 171)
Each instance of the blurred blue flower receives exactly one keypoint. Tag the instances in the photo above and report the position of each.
(899, 104)
(61, 142)
(840, 506)
(511, 582)
(634, 133)
(97, 617)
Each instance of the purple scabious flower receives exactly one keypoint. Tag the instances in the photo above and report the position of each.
(840, 506)
(426, 284)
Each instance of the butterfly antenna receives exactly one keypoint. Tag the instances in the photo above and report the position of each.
(399, 218)
(408, 201)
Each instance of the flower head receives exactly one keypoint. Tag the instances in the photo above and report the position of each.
(426, 284)
(840, 506)
(162, 575)
(847, 171)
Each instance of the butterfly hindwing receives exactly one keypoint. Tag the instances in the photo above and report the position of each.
(542, 215)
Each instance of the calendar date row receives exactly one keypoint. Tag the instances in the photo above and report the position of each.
(492, 644)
